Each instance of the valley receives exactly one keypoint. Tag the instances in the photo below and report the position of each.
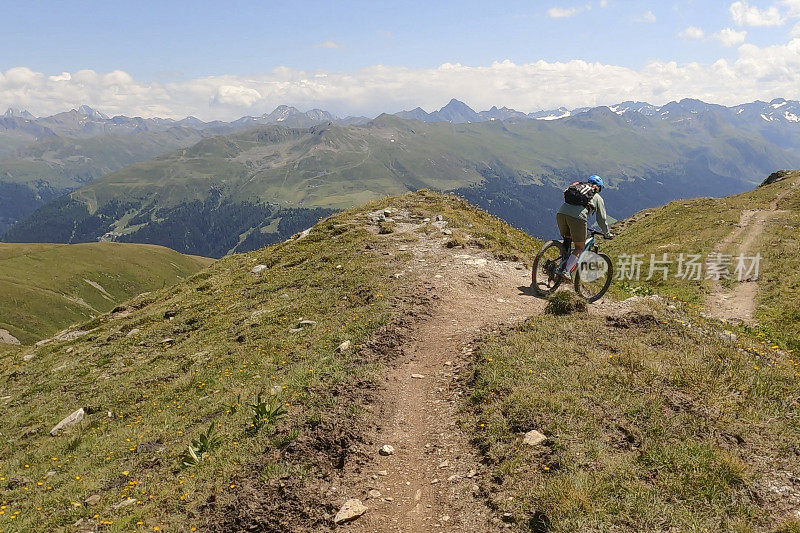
(47, 287)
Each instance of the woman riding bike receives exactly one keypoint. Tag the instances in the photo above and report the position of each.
(580, 201)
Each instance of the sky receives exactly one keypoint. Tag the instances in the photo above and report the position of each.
(223, 60)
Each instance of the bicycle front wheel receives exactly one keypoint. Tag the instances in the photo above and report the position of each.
(545, 277)
(593, 276)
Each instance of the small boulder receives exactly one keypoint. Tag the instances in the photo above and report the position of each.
(124, 503)
(307, 323)
(343, 347)
(7, 338)
(351, 510)
(68, 422)
(374, 494)
(533, 438)
(386, 449)
(418, 376)
(132, 332)
(92, 500)
(258, 268)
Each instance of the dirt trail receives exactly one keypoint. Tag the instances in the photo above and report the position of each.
(740, 303)
(432, 480)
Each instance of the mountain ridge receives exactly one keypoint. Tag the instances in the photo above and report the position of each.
(262, 185)
(252, 390)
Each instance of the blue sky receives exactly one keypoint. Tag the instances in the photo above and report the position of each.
(242, 43)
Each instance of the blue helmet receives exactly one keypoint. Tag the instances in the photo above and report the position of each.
(596, 180)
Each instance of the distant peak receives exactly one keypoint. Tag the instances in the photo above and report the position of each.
(454, 102)
(91, 113)
(15, 112)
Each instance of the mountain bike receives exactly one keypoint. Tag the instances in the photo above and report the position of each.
(592, 277)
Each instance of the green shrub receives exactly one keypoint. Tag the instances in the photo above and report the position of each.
(565, 303)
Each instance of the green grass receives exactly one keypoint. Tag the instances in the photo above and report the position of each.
(696, 226)
(652, 425)
(229, 343)
(46, 287)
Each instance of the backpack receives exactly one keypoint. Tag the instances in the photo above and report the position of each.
(579, 193)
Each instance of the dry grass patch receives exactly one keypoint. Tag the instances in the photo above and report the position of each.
(654, 423)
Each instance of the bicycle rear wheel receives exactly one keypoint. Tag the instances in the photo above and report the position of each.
(593, 277)
(545, 277)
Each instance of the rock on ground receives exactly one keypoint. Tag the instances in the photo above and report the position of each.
(351, 510)
(386, 449)
(533, 437)
(124, 503)
(343, 347)
(258, 268)
(68, 422)
(7, 338)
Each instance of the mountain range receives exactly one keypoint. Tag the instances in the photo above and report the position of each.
(280, 171)
(238, 192)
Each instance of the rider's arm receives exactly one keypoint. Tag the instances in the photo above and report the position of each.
(600, 212)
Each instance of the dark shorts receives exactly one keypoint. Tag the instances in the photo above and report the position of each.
(571, 227)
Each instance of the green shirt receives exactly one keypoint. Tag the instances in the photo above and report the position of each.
(578, 211)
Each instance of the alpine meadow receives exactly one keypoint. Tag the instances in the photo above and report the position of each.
(410, 267)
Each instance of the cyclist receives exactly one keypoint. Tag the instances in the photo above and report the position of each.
(581, 199)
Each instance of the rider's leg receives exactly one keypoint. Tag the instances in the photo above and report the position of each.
(572, 262)
(563, 227)
(577, 228)
(567, 244)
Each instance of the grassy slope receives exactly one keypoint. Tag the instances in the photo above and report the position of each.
(333, 166)
(45, 287)
(230, 341)
(696, 226)
(652, 425)
(655, 422)
(342, 166)
(64, 163)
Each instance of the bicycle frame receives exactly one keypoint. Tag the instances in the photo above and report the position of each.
(589, 245)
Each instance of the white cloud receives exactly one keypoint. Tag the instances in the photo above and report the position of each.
(744, 14)
(796, 30)
(647, 16)
(328, 44)
(603, 3)
(236, 95)
(692, 32)
(64, 76)
(756, 73)
(792, 6)
(562, 12)
(731, 37)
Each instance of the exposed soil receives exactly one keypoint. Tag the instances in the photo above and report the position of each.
(740, 302)
(434, 480)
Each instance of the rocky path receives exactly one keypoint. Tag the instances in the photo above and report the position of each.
(740, 302)
(431, 479)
